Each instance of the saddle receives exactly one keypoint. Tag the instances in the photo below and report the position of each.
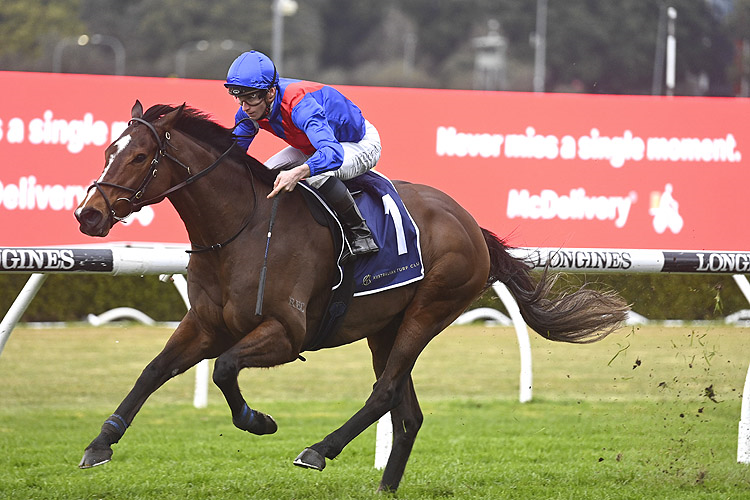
(398, 263)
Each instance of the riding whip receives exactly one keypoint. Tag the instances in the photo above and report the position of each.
(262, 282)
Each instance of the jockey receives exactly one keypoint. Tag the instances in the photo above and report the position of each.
(329, 139)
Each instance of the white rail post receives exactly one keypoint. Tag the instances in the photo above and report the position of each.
(383, 441)
(743, 436)
(200, 396)
(19, 306)
(524, 345)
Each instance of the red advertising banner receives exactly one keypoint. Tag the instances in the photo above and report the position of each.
(547, 170)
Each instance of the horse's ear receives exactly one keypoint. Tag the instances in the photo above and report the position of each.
(179, 110)
(167, 121)
(137, 111)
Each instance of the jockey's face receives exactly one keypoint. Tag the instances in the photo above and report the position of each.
(255, 107)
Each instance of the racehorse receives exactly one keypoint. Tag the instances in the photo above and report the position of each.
(220, 192)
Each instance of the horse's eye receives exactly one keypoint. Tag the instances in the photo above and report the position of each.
(140, 158)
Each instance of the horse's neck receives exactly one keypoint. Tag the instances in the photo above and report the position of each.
(216, 206)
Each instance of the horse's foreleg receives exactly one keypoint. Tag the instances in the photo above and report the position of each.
(266, 346)
(187, 345)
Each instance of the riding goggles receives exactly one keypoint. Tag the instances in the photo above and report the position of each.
(250, 97)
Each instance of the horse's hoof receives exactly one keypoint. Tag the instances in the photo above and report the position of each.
(255, 422)
(271, 425)
(310, 459)
(93, 457)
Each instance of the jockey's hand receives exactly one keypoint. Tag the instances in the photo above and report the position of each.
(288, 179)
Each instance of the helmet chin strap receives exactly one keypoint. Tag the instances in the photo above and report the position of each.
(269, 105)
(272, 87)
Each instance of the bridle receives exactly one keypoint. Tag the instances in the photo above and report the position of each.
(135, 202)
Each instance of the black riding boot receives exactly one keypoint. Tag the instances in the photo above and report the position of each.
(338, 197)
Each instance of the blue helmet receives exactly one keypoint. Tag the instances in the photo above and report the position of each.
(251, 70)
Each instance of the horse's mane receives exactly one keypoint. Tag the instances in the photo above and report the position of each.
(199, 125)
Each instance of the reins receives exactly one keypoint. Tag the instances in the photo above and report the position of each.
(163, 152)
(217, 246)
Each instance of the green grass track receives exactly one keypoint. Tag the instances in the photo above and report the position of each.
(649, 412)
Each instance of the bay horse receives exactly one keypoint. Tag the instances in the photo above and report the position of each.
(219, 191)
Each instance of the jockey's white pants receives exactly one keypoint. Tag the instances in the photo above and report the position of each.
(359, 157)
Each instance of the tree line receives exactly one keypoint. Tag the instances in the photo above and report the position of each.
(591, 46)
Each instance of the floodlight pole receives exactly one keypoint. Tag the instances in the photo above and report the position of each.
(113, 43)
(281, 8)
(58, 53)
(180, 60)
(117, 47)
(540, 46)
(671, 50)
(277, 47)
(657, 78)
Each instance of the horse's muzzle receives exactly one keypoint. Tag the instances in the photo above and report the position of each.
(93, 222)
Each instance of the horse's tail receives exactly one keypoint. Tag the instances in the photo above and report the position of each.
(578, 316)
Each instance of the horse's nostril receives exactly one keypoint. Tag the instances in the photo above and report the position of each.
(88, 217)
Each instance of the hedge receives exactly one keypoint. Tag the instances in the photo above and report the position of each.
(72, 297)
(661, 296)
(655, 296)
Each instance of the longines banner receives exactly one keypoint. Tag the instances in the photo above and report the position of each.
(543, 170)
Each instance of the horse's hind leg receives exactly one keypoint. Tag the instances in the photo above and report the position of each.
(435, 306)
(406, 417)
(187, 345)
(393, 391)
(387, 394)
